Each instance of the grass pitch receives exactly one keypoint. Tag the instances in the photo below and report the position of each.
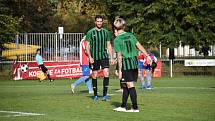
(171, 99)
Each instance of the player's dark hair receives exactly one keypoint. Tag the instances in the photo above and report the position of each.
(98, 16)
(38, 50)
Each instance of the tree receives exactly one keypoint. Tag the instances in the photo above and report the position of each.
(170, 22)
(9, 24)
(38, 15)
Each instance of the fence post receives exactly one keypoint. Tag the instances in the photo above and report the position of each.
(160, 50)
(171, 60)
(26, 45)
(56, 47)
(17, 41)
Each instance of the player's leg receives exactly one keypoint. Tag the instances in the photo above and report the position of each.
(78, 82)
(143, 84)
(85, 75)
(45, 71)
(133, 95)
(149, 78)
(94, 83)
(142, 71)
(125, 95)
(95, 68)
(105, 67)
(133, 75)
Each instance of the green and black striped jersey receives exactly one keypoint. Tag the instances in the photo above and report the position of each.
(98, 43)
(126, 44)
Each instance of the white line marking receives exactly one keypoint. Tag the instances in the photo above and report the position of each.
(110, 94)
(15, 114)
(183, 88)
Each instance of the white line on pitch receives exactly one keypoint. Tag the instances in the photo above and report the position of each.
(15, 114)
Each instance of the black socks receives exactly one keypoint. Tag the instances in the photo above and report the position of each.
(133, 96)
(94, 82)
(105, 85)
(125, 95)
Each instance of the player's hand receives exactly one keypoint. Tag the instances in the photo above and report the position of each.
(112, 62)
(91, 60)
(116, 73)
(120, 75)
(115, 61)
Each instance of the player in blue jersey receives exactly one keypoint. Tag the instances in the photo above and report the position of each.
(41, 65)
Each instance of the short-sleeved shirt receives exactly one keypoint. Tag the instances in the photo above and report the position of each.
(39, 59)
(141, 57)
(126, 44)
(83, 54)
(98, 43)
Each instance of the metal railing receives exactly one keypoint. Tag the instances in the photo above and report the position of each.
(54, 46)
(179, 69)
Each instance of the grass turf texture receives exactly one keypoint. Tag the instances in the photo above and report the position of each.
(171, 99)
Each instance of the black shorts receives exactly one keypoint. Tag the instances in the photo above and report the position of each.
(130, 75)
(97, 63)
(43, 68)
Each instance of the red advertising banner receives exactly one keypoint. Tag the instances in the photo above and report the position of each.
(157, 72)
(56, 70)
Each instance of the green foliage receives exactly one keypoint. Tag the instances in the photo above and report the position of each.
(38, 16)
(9, 24)
(74, 19)
(170, 22)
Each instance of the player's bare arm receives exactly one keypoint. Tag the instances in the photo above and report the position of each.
(110, 52)
(142, 49)
(88, 52)
(119, 58)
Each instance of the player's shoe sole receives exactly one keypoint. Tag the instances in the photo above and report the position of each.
(120, 109)
(133, 111)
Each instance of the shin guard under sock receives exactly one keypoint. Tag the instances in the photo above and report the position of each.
(133, 96)
(105, 85)
(125, 95)
(94, 82)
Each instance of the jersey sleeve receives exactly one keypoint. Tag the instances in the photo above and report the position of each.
(88, 36)
(134, 39)
(116, 45)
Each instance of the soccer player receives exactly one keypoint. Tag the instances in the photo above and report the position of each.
(126, 45)
(142, 69)
(116, 69)
(148, 68)
(39, 60)
(98, 41)
(85, 68)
